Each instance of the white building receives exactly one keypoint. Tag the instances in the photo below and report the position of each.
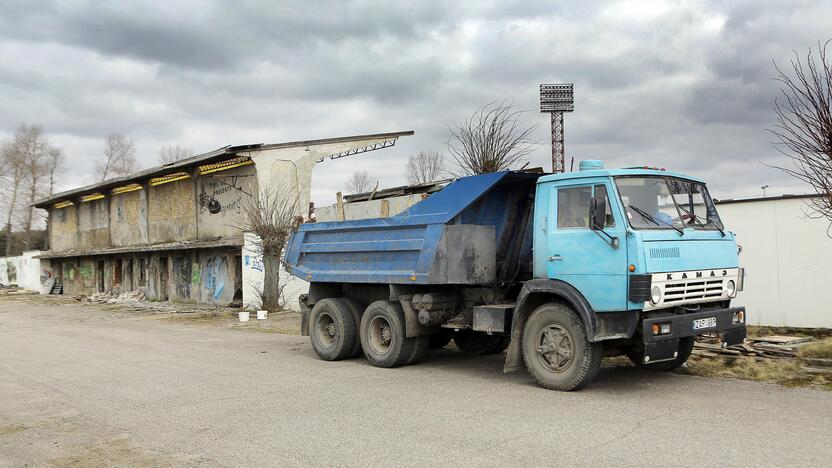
(787, 256)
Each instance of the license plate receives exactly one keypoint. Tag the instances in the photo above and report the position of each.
(709, 322)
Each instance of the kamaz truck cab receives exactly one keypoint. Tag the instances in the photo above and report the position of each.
(558, 270)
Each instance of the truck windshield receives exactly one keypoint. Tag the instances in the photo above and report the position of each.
(653, 202)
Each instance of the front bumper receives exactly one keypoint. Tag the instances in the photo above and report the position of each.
(664, 347)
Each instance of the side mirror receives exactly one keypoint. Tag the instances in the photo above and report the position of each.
(597, 213)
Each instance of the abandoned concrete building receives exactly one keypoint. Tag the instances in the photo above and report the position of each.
(174, 230)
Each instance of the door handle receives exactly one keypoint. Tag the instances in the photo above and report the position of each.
(555, 258)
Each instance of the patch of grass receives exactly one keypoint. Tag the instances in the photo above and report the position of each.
(821, 349)
(758, 331)
(9, 430)
(784, 372)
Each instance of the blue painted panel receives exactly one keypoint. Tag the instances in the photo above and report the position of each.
(587, 261)
(402, 248)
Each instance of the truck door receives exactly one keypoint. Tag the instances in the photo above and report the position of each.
(583, 257)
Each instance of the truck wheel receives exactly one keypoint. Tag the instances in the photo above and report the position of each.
(440, 339)
(355, 308)
(383, 336)
(556, 349)
(332, 330)
(475, 343)
(685, 348)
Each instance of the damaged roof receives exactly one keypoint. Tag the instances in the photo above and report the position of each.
(205, 158)
(167, 246)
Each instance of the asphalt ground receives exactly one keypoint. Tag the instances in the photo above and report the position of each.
(81, 386)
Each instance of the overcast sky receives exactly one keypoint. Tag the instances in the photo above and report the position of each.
(680, 84)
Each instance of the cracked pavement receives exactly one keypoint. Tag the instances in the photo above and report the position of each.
(83, 386)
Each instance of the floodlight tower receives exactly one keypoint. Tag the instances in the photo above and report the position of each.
(555, 99)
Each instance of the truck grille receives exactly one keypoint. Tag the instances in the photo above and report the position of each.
(689, 290)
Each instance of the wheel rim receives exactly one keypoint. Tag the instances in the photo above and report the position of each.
(556, 349)
(325, 330)
(381, 335)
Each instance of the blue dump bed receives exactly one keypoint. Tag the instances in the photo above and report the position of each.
(476, 230)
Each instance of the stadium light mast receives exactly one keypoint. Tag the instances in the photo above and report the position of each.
(555, 99)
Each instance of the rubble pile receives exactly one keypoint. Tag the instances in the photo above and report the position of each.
(775, 346)
(123, 298)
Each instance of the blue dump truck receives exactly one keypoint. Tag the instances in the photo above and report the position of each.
(560, 270)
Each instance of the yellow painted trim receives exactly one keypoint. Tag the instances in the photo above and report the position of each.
(62, 204)
(126, 189)
(222, 166)
(169, 178)
(92, 197)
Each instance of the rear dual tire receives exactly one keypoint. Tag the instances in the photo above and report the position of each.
(332, 330)
(384, 339)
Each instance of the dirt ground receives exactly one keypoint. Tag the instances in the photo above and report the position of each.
(141, 385)
(787, 372)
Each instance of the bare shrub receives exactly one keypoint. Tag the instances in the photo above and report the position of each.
(424, 167)
(272, 216)
(359, 183)
(804, 124)
(493, 139)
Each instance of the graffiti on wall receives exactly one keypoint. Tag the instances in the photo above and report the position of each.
(11, 272)
(222, 194)
(182, 277)
(196, 274)
(215, 276)
(45, 276)
(255, 262)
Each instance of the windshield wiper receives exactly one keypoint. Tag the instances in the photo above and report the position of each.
(699, 223)
(655, 221)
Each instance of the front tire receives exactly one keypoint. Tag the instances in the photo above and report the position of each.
(332, 330)
(383, 336)
(556, 350)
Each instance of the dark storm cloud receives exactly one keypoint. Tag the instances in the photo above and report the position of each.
(667, 83)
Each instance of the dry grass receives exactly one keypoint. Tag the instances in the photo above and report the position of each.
(821, 349)
(820, 333)
(784, 372)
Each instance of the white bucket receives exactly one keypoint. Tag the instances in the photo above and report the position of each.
(262, 314)
(244, 316)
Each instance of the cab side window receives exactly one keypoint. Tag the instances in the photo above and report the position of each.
(601, 191)
(573, 207)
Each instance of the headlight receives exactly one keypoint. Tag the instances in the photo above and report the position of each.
(731, 288)
(655, 295)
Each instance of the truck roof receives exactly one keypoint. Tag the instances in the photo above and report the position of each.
(614, 173)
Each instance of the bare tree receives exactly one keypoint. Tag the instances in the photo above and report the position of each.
(359, 182)
(119, 158)
(804, 124)
(54, 163)
(28, 159)
(424, 167)
(172, 153)
(271, 215)
(14, 173)
(493, 139)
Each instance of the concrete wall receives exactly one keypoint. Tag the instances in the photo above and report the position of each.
(63, 228)
(787, 258)
(199, 275)
(128, 212)
(368, 209)
(94, 224)
(26, 272)
(171, 212)
(252, 279)
(228, 188)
